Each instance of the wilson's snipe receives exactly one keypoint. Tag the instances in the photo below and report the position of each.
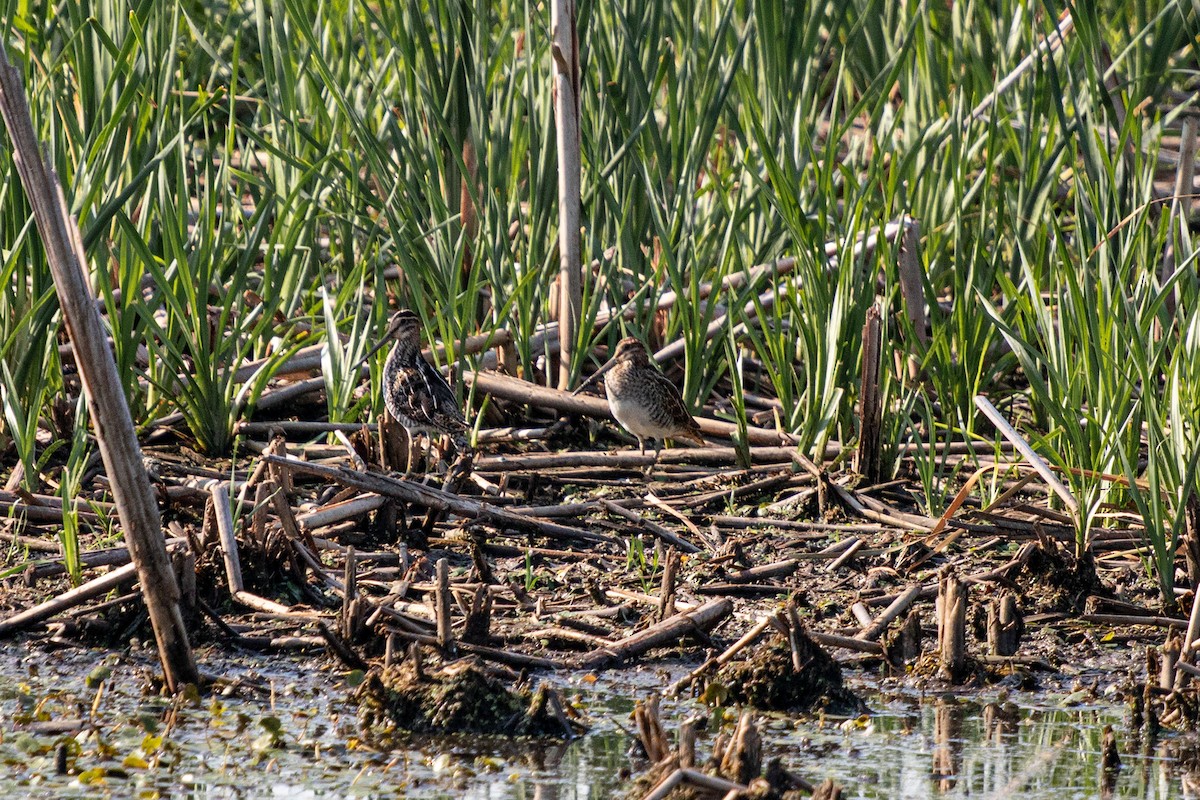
(416, 394)
(642, 399)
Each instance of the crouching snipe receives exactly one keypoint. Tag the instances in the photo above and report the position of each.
(416, 394)
(642, 399)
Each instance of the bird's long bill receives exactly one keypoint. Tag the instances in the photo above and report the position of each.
(596, 375)
(378, 346)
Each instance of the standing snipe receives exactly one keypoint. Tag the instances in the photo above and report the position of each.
(416, 394)
(642, 399)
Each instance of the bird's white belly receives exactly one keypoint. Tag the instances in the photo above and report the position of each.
(635, 417)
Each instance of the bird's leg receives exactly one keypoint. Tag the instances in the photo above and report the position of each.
(650, 467)
(409, 441)
(641, 445)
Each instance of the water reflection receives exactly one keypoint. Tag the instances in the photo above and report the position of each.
(947, 743)
(951, 746)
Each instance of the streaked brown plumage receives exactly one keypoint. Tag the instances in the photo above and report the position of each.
(415, 393)
(642, 399)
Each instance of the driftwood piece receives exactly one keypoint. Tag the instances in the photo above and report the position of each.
(115, 434)
(701, 619)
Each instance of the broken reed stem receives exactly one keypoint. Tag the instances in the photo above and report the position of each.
(1035, 461)
(867, 455)
(912, 292)
(952, 627)
(349, 594)
(564, 48)
(1003, 625)
(666, 594)
(666, 632)
(223, 513)
(69, 599)
(115, 434)
(898, 606)
(445, 632)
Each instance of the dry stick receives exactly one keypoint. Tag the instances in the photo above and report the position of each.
(651, 526)
(666, 786)
(849, 643)
(898, 606)
(66, 600)
(437, 499)
(867, 455)
(564, 48)
(776, 569)
(703, 780)
(339, 512)
(1048, 45)
(1035, 461)
(520, 391)
(1133, 619)
(863, 615)
(889, 517)
(724, 658)
(101, 385)
(849, 553)
(654, 500)
(703, 618)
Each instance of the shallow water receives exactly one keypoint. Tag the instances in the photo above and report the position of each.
(297, 738)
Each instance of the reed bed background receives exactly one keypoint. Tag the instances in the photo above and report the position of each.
(255, 177)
